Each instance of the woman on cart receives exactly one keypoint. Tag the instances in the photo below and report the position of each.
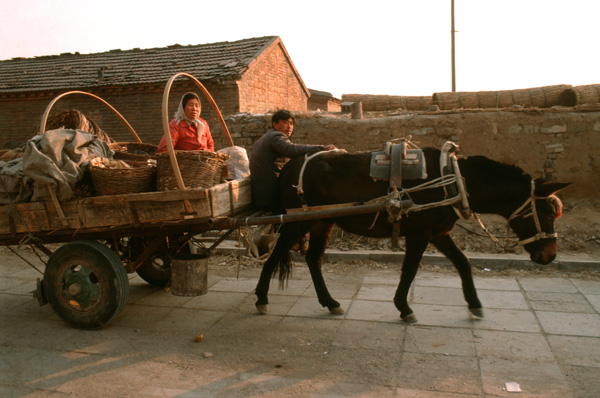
(188, 131)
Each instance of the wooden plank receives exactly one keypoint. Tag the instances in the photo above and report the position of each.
(112, 211)
(165, 196)
(56, 203)
(319, 208)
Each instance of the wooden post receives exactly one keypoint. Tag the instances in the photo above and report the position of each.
(452, 44)
(357, 110)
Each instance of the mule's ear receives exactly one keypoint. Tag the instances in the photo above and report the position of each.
(543, 188)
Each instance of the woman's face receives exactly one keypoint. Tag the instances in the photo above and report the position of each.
(192, 108)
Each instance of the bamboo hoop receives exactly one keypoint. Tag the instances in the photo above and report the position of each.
(51, 104)
(165, 120)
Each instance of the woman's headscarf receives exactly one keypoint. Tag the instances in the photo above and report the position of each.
(180, 114)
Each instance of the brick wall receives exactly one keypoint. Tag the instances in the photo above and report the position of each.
(270, 84)
(323, 103)
(141, 106)
(559, 145)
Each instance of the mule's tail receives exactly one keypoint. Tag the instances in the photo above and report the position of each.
(285, 269)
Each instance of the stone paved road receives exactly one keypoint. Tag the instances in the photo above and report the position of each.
(542, 333)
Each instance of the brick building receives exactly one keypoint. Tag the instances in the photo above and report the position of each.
(323, 101)
(251, 75)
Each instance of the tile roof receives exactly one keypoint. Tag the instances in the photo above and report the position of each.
(137, 66)
(317, 92)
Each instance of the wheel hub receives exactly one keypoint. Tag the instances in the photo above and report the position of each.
(80, 287)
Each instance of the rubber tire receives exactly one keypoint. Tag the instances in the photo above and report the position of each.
(154, 274)
(107, 275)
(158, 275)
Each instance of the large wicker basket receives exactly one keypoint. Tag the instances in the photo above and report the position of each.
(133, 151)
(199, 169)
(141, 177)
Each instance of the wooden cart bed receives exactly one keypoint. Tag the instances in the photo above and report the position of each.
(112, 214)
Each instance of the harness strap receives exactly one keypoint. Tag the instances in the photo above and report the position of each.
(519, 212)
(462, 191)
(307, 158)
(449, 166)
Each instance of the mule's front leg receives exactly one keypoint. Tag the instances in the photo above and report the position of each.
(445, 244)
(319, 237)
(415, 247)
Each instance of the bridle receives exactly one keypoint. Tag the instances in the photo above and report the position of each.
(521, 212)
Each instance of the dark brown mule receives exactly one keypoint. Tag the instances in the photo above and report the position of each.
(338, 177)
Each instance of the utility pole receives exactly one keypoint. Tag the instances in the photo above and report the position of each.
(452, 34)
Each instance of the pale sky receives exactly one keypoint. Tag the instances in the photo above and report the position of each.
(394, 47)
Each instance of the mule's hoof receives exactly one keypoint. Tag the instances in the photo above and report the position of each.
(337, 310)
(262, 309)
(410, 318)
(477, 312)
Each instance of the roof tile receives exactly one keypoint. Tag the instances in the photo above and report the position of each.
(136, 66)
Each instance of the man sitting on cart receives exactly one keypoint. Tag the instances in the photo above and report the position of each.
(269, 154)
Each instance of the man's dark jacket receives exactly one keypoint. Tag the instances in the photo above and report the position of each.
(269, 154)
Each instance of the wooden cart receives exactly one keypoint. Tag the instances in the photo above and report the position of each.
(105, 237)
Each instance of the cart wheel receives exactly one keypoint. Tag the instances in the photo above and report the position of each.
(157, 270)
(86, 284)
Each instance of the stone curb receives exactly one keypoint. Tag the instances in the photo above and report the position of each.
(496, 262)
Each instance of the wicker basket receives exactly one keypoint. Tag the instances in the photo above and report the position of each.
(133, 151)
(221, 174)
(108, 181)
(199, 169)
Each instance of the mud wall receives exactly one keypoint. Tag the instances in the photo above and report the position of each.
(556, 144)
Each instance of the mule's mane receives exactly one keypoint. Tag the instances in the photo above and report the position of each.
(499, 170)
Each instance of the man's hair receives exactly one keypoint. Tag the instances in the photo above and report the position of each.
(282, 114)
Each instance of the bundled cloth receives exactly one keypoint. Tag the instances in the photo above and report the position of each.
(54, 160)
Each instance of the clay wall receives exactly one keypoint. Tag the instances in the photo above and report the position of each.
(559, 145)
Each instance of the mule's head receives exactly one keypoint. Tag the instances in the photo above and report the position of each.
(533, 222)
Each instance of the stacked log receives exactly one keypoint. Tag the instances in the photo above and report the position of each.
(374, 103)
(578, 95)
(539, 97)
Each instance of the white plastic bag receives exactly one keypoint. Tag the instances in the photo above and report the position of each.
(238, 165)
